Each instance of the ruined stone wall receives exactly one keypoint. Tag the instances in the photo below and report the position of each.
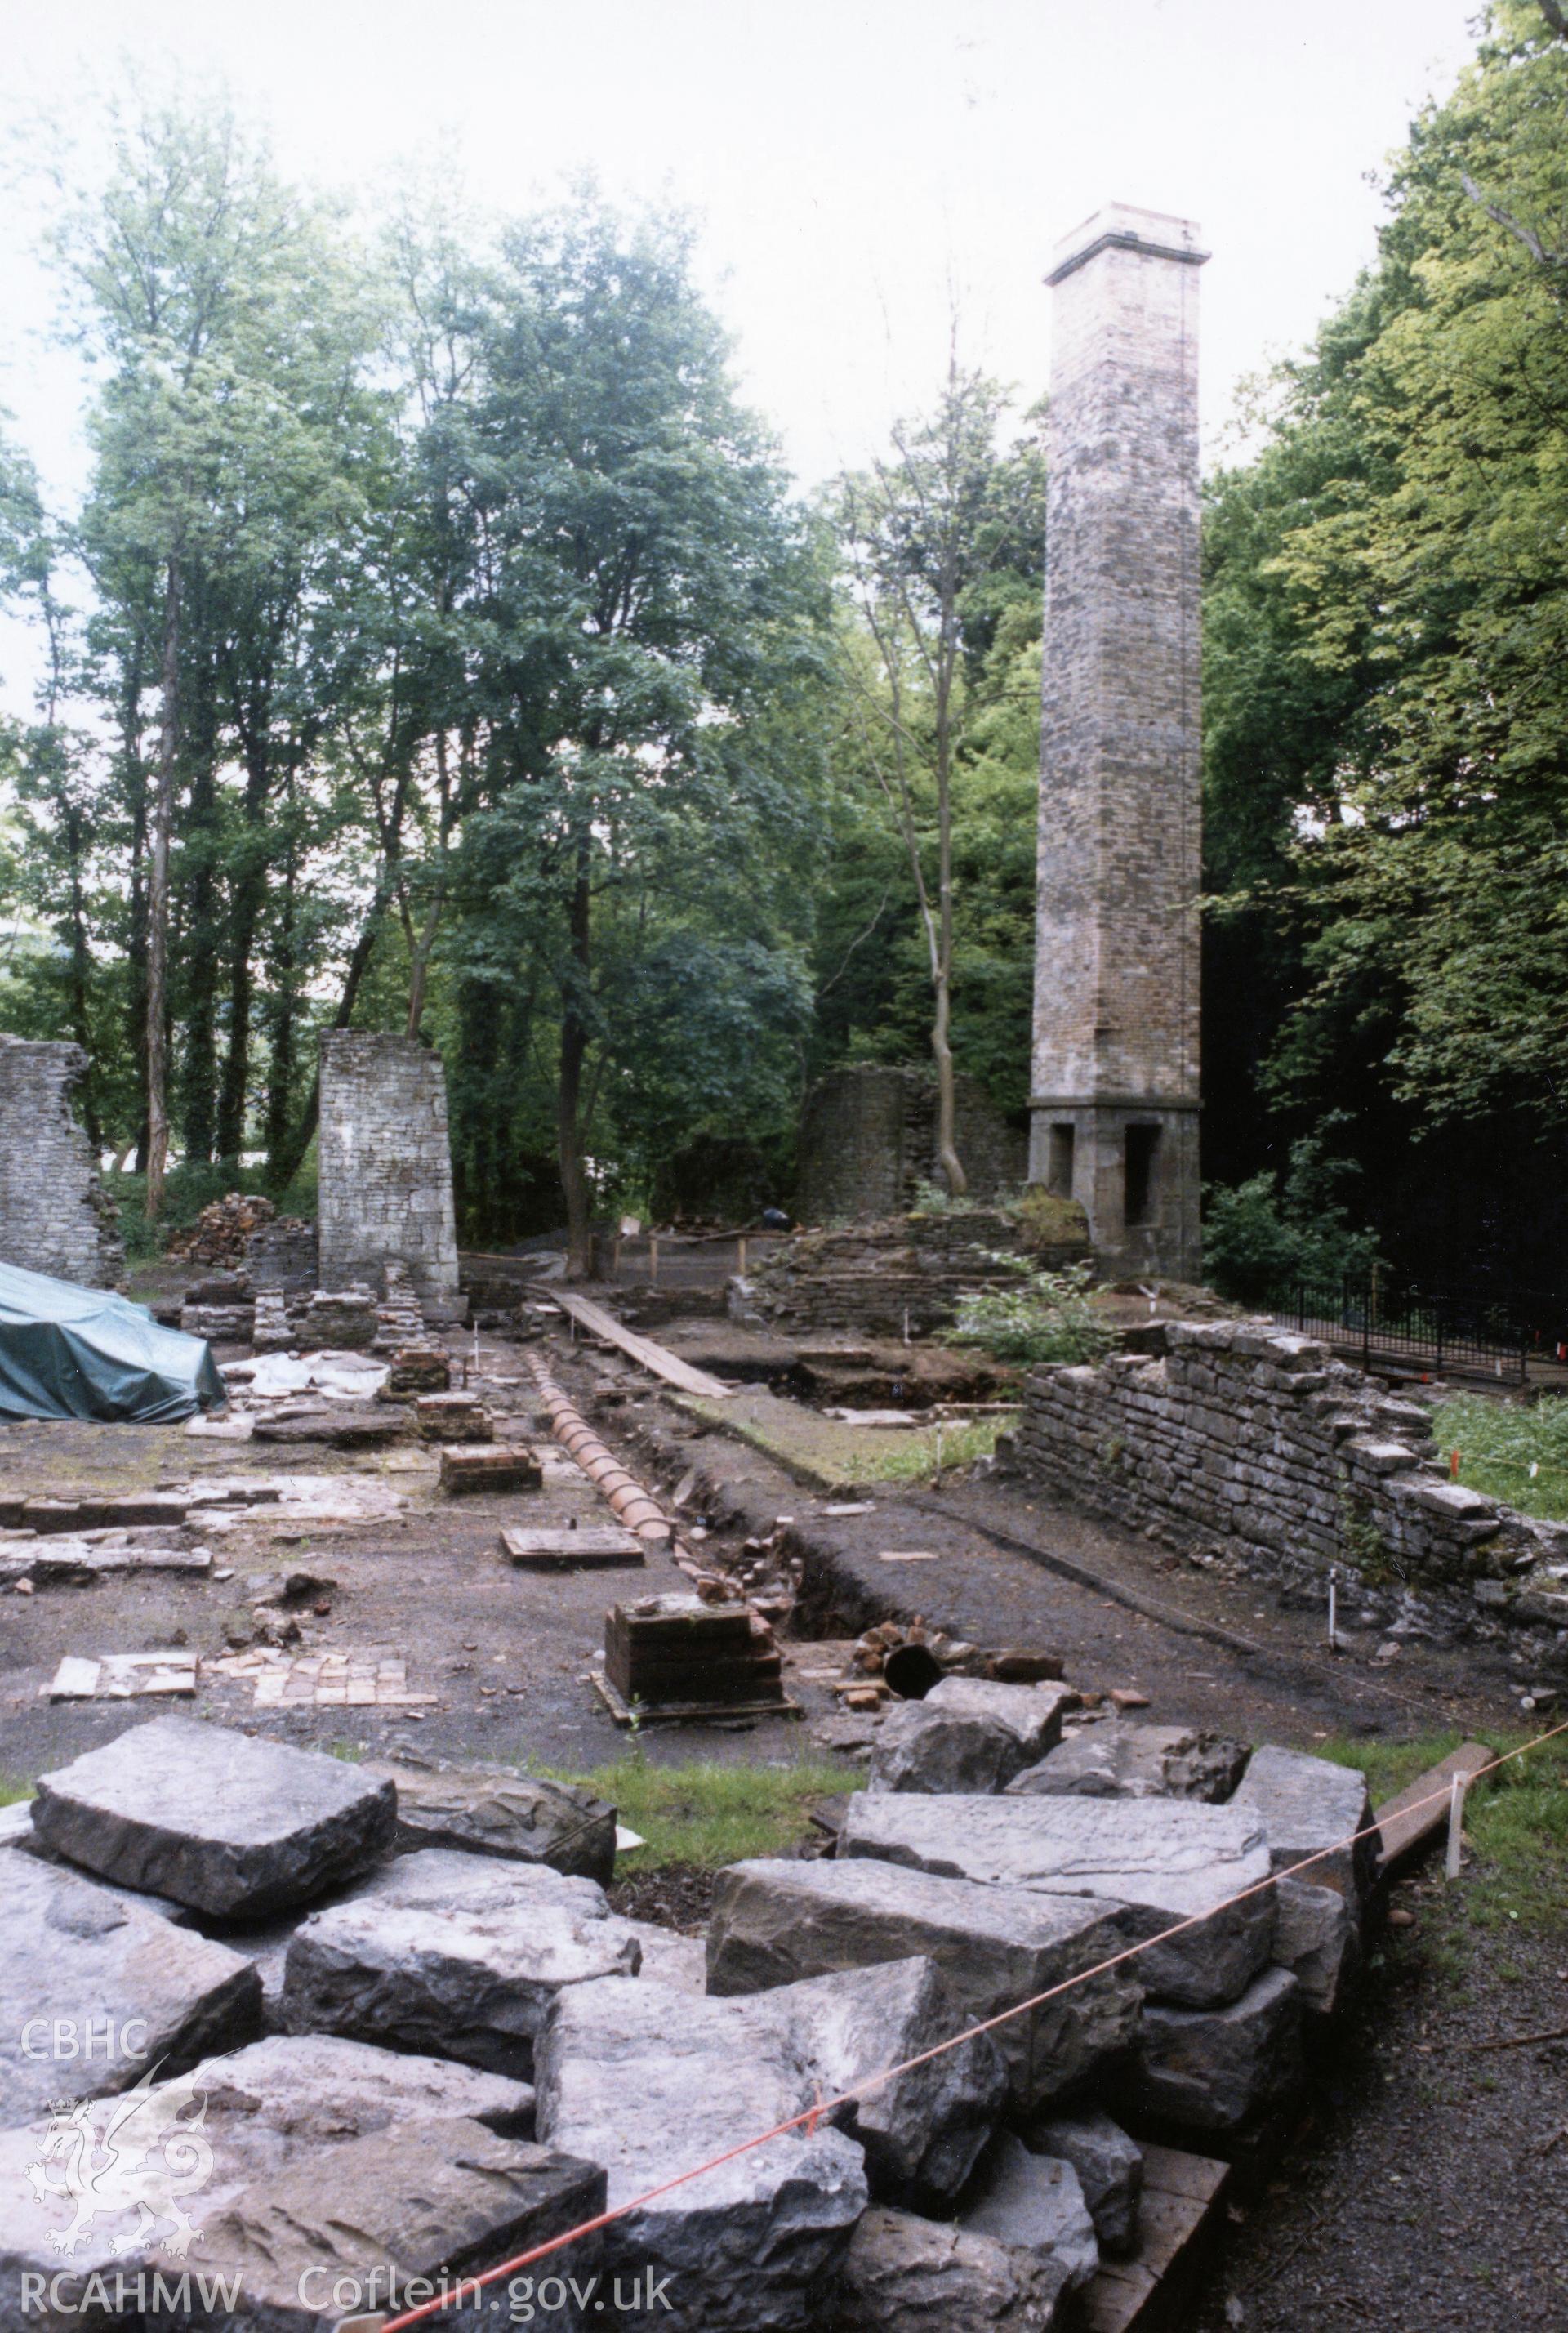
(868, 1136)
(1248, 1444)
(55, 1217)
(384, 1164)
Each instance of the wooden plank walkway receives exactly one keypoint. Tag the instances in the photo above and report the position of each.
(1406, 1824)
(597, 1322)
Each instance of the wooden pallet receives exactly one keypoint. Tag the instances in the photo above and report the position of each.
(666, 1712)
(1180, 2195)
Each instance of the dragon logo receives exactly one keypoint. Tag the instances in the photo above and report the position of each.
(141, 2153)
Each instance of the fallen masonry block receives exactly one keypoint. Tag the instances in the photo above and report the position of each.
(467, 1466)
(1166, 1860)
(452, 1417)
(923, 2131)
(257, 2109)
(455, 1955)
(1304, 1805)
(499, 1811)
(912, 2275)
(1033, 2201)
(341, 1428)
(968, 1734)
(775, 1921)
(649, 2083)
(75, 1563)
(431, 2201)
(91, 1511)
(78, 1963)
(600, 1548)
(1214, 2070)
(671, 1959)
(1121, 1760)
(1110, 2168)
(341, 1320)
(1317, 1937)
(227, 1823)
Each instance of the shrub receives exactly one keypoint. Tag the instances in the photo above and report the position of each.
(1260, 1239)
(1040, 1316)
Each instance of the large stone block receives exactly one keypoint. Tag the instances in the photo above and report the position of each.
(907, 2275)
(497, 1810)
(1317, 1937)
(1117, 1759)
(94, 1990)
(1306, 1805)
(230, 1824)
(966, 1734)
(651, 2084)
(1035, 2202)
(457, 1955)
(348, 2232)
(1214, 2070)
(233, 2119)
(1110, 2168)
(1167, 1862)
(775, 1922)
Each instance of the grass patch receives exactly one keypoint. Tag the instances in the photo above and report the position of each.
(917, 1456)
(1516, 1877)
(10, 1791)
(706, 1813)
(1498, 1442)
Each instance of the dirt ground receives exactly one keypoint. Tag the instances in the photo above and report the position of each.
(1426, 2189)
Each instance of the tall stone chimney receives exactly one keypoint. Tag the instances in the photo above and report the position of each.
(1115, 1090)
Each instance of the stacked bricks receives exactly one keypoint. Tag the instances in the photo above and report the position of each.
(53, 1215)
(386, 1166)
(1115, 1083)
(868, 1136)
(1253, 1444)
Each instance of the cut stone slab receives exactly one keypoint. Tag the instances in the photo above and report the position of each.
(455, 1955)
(1213, 2069)
(600, 1548)
(1033, 2201)
(1317, 1937)
(1122, 1760)
(1304, 1805)
(93, 1991)
(339, 1429)
(257, 2109)
(902, 2274)
(489, 1466)
(1110, 2168)
(649, 2083)
(966, 1734)
(775, 1922)
(230, 1824)
(76, 1563)
(408, 2203)
(923, 2131)
(1166, 1860)
(124, 1676)
(499, 1811)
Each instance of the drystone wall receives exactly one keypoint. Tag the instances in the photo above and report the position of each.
(55, 1217)
(901, 1278)
(1244, 1443)
(385, 1165)
(868, 1136)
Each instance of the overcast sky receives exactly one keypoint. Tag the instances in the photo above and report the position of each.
(855, 165)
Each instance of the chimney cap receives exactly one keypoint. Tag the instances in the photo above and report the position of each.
(1124, 226)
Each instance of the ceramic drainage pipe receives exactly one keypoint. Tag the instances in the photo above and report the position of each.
(629, 1503)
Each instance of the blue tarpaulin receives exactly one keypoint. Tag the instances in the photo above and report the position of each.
(82, 1352)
